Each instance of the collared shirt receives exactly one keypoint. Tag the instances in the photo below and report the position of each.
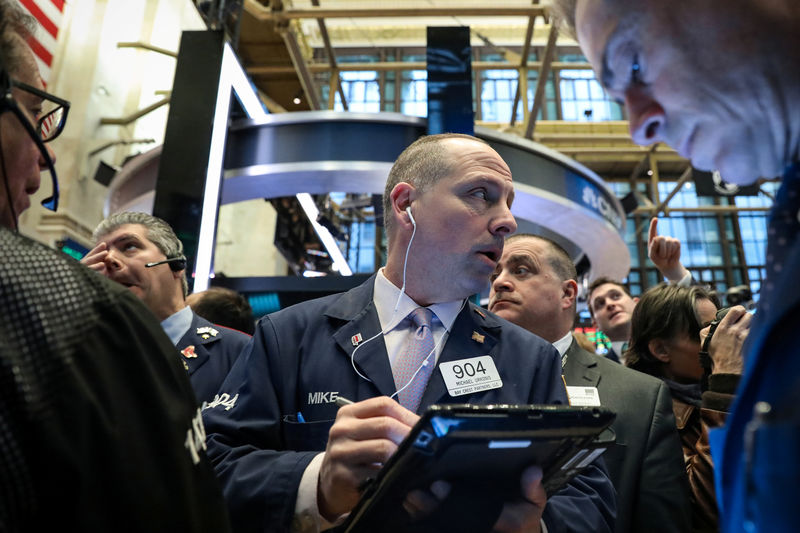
(394, 324)
(177, 324)
(619, 349)
(562, 345)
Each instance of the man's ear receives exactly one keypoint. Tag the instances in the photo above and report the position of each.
(569, 292)
(400, 198)
(658, 349)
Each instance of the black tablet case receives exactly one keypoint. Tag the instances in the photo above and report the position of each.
(481, 450)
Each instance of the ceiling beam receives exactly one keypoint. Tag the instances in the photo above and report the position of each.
(544, 73)
(263, 70)
(263, 13)
(336, 82)
(300, 65)
(522, 85)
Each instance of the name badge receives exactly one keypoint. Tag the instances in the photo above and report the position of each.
(583, 396)
(468, 376)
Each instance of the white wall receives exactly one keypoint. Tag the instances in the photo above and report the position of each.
(104, 81)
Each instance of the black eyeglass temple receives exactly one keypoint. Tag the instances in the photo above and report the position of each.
(50, 202)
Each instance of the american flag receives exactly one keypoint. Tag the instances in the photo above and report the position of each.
(49, 14)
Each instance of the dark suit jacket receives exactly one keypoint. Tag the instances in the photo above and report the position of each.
(646, 465)
(300, 361)
(213, 356)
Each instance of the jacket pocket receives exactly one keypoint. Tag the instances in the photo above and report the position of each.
(305, 436)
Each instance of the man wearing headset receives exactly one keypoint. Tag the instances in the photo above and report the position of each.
(143, 253)
(100, 431)
(289, 460)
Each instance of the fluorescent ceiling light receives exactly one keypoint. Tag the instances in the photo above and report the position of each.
(339, 262)
(232, 78)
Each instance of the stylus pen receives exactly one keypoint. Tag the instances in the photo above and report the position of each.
(341, 401)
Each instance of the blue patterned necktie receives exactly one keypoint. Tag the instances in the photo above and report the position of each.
(782, 231)
(419, 346)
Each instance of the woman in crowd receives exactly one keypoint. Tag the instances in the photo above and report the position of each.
(668, 325)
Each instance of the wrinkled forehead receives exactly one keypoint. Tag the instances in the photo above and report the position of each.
(471, 151)
(125, 232)
(599, 22)
(24, 66)
(524, 247)
(608, 288)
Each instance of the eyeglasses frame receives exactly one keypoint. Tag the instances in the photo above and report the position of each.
(45, 96)
(8, 103)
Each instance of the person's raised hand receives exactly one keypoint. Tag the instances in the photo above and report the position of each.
(363, 437)
(96, 258)
(725, 348)
(665, 253)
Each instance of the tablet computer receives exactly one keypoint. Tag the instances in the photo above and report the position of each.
(485, 446)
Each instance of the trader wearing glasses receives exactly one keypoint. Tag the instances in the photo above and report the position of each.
(31, 117)
(99, 430)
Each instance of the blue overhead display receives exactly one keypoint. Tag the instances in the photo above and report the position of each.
(449, 61)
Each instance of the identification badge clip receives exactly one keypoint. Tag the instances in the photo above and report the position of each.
(583, 396)
(468, 376)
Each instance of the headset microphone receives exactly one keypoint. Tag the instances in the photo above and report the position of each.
(176, 264)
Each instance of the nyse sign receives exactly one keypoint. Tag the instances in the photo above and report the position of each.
(592, 198)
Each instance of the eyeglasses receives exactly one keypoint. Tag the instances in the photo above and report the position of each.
(55, 111)
(48, 127)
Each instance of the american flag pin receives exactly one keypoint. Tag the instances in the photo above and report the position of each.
(189, 352)
(483, 315)
(478, 337)
(356, 339)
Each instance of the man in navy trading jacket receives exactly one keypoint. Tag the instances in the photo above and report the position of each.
(142, 252)
(288, 460)
(99, 427)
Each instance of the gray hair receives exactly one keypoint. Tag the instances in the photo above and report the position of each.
(158, 232)
(14, 22)
(426, 161)
(563, 13)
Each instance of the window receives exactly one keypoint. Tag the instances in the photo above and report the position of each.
(361, 90)
(414, 95)
(498, 88)
(583, 98)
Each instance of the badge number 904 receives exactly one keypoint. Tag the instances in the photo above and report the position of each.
(467, 376)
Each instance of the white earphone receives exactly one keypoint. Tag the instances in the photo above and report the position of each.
(411, 217)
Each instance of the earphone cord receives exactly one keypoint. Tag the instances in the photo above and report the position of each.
(396, 305)
(383, 331)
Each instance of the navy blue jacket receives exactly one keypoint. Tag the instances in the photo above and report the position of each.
(212, 357)
(299, 361)
(757, 461)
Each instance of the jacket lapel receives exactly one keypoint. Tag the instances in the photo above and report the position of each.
(580, 369)
(357, 313)
(472, 326)
(196, 357)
